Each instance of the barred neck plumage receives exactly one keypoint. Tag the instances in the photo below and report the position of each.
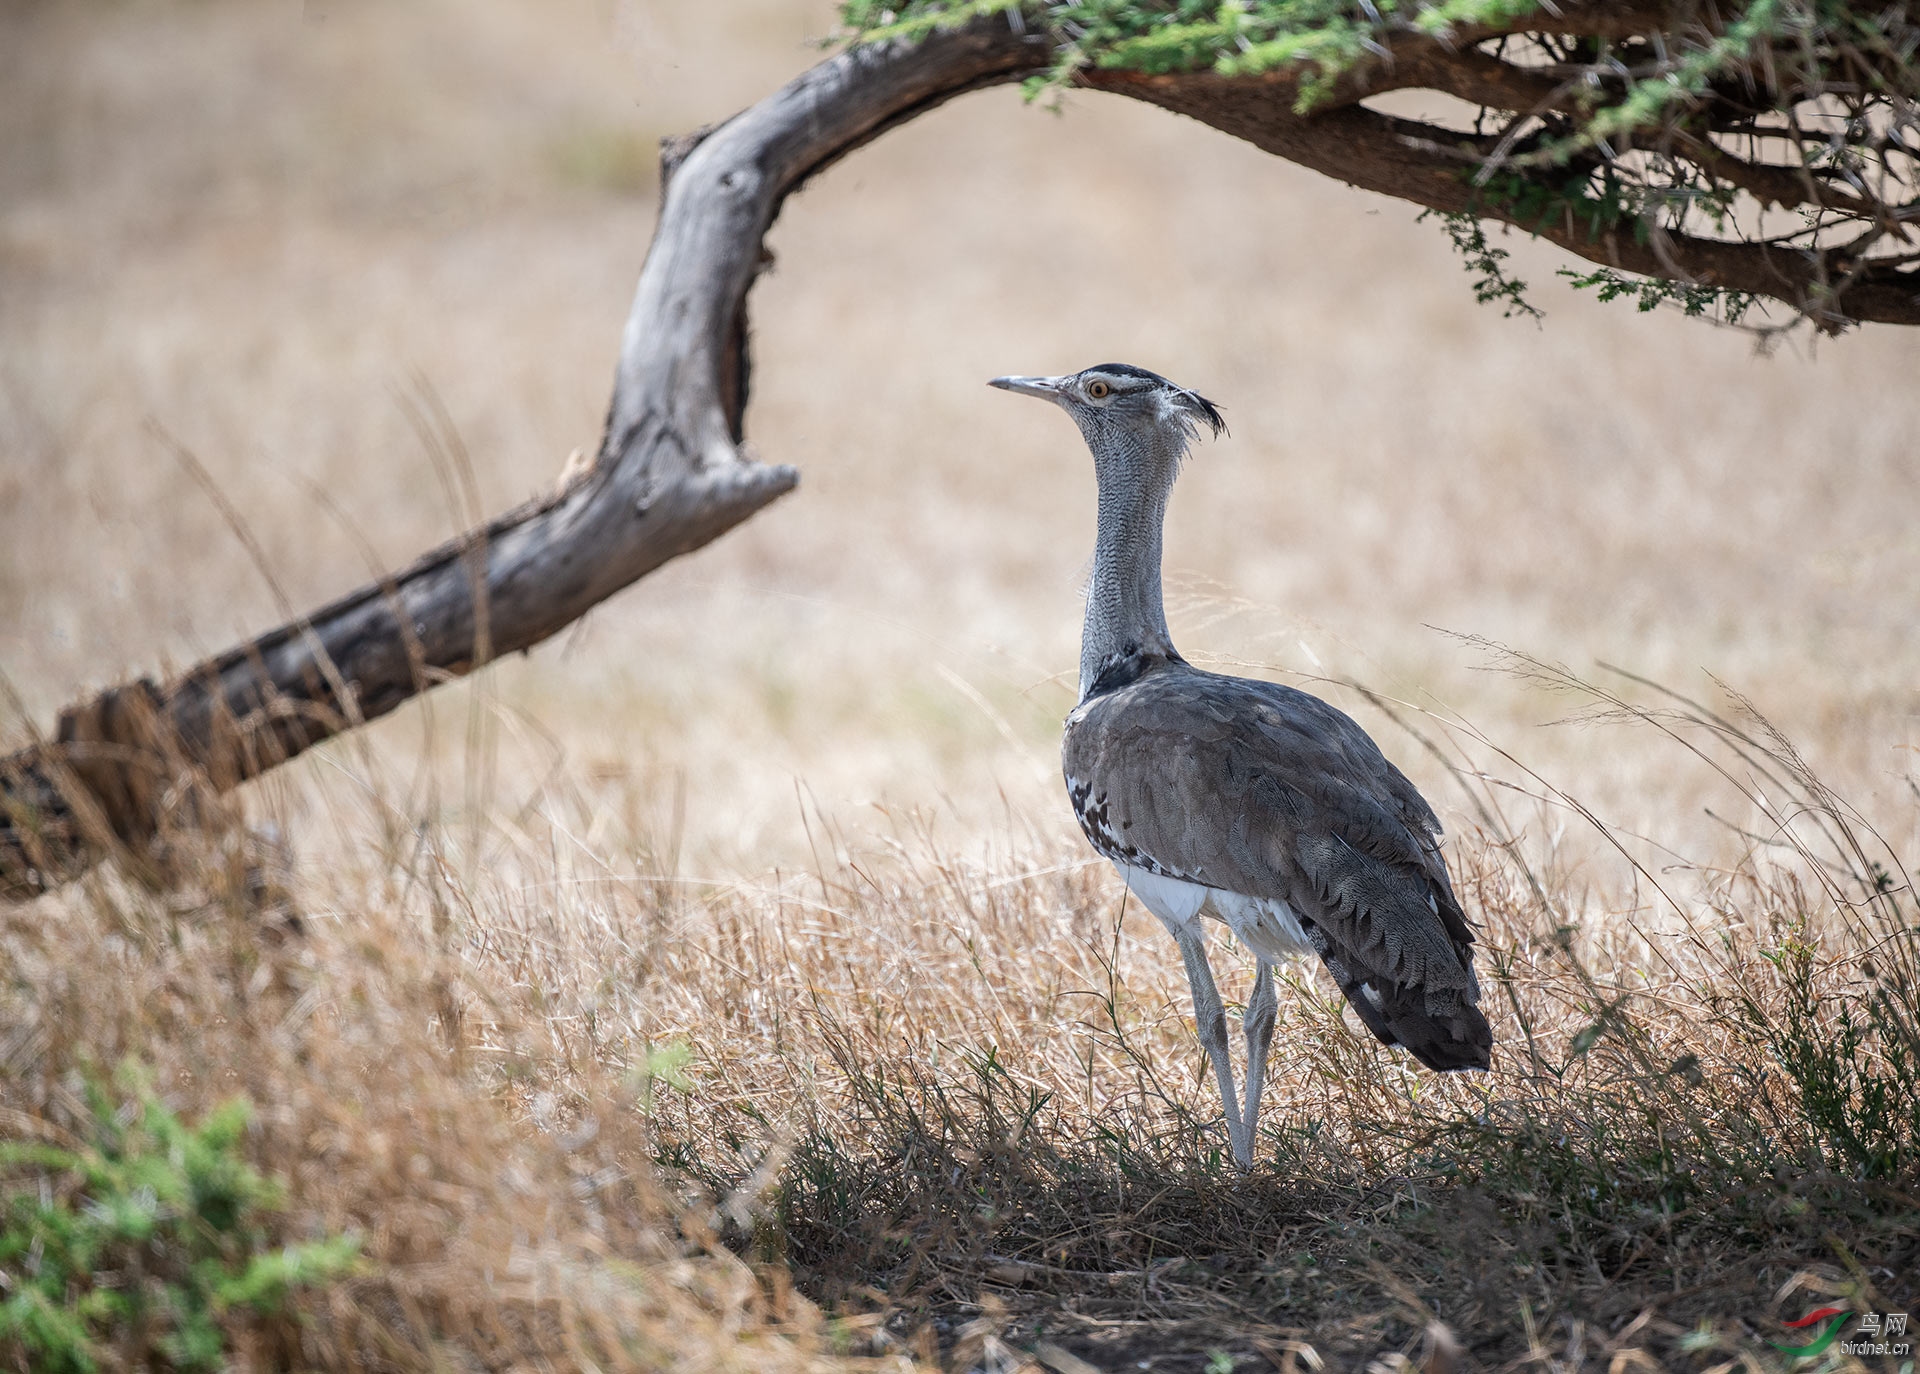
(1126, 625)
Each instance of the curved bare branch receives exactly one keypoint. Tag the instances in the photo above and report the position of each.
(669, 477)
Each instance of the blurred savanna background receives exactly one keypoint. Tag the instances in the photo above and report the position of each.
(599, 958)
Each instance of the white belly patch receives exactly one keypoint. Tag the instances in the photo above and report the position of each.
(1174, 900)
(1265, 925)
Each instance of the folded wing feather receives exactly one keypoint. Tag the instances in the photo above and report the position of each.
(1260, 790)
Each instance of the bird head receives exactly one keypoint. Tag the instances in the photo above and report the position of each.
(1119, 405)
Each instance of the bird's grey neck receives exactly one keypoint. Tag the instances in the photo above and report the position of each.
(1126, 625)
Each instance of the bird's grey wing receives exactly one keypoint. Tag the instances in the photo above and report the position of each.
(1262, 790)
(1383, 810)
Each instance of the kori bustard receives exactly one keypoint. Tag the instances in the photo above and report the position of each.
(1245, 801)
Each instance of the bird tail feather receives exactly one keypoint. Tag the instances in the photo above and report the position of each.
(1445, 1034)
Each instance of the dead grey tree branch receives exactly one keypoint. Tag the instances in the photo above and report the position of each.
(669, 477)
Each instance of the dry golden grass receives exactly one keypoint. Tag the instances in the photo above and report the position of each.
(503, 1201)
(791, 803)
(955, 1095)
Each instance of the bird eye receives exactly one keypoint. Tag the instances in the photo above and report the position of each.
(1099, 390)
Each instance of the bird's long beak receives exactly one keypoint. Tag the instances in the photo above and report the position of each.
(1046, 388)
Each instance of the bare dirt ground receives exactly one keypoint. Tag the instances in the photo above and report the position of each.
(259, 229)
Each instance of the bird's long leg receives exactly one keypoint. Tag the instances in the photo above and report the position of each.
(1211, 1019)
(1258, 1020)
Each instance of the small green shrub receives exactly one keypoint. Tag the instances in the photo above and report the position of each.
(128, 1248)
(1853, 1053)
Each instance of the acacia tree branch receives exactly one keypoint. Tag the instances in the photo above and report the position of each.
(1432, 166)
(670, 475)
(1770, 184)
